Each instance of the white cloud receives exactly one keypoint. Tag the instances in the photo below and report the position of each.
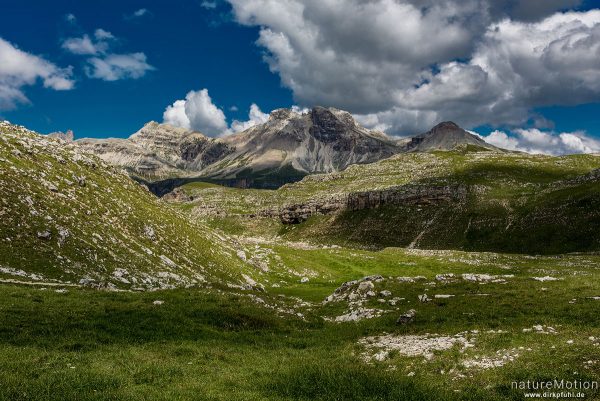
(101, 34)
(83, 46)
(197, 112)
(19, 68)
(209, 5)
(255, 117)
(539, 142)
(407, 64)
(175, 115)
(142, 12)
(71, 18)
(106, 65)
(114, 67)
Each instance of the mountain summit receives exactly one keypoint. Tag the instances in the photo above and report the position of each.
(320, 141)
(444, 136)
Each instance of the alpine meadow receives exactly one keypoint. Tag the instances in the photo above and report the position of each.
(417, 217)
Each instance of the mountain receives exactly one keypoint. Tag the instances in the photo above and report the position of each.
(159, 151)
(291, 145)
(444, 136)
(284, 149)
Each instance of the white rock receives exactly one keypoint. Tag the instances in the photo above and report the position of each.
(545, 278)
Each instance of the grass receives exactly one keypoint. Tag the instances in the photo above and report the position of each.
(212, 339)
(219, 345)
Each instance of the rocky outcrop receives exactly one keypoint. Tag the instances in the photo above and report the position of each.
(403, 195)
(295, 214)
(63, 136)
(444, 136)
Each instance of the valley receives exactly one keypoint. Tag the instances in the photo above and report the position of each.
(439, 275)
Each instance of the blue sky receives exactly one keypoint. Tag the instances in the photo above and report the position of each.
(191, 47)
(397, 65)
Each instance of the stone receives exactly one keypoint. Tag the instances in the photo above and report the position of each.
(304, 280)
(365, 286)
(423, 298)
(45, 235)
(407, 317)
(149, 233)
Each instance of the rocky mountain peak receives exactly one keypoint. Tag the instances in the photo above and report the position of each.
(446, 126)
(281, 114)
(446, 135)
(64, 136)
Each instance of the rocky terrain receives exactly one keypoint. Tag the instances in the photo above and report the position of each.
(444, 136)
(287, 147)
(158, 151)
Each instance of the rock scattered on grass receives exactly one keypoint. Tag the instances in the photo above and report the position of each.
(545, 278)
(423, 298)
(407, 317)
(378, 348)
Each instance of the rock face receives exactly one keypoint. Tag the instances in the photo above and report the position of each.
(294, 144)
(444, 136)
(403, 195)
(158, 151)
(64, 136)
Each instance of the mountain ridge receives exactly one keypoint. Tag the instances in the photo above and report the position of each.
(285, 148)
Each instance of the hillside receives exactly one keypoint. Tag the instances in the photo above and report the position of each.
(462, 199)
(67, 218)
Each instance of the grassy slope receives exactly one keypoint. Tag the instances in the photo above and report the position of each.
(516, 203)
(96, 228)
(91, 345)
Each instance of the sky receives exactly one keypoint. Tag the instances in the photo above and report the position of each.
(524, 74)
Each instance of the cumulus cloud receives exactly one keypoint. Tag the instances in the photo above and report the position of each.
(255, 117)
(83, 46)
(404, 65)
(197, 112)
(540, 142)
(19, 68)
(114, 67)
(106, 65)
(101, 34)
